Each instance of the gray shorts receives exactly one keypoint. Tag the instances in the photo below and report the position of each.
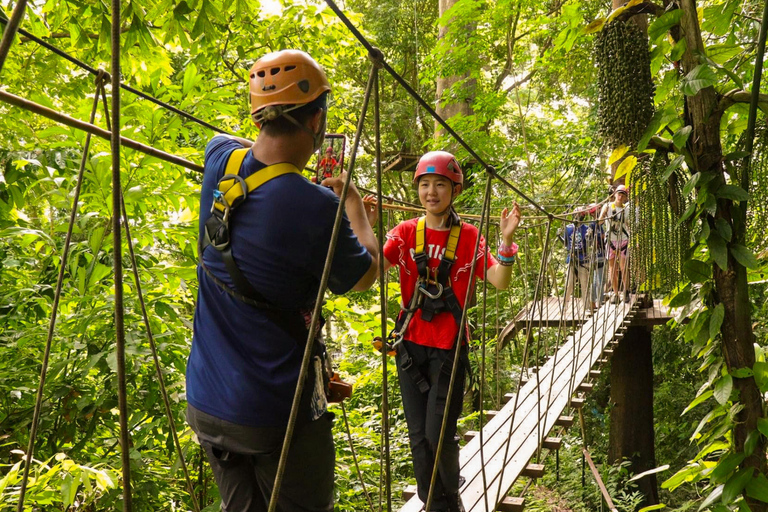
(244, 461)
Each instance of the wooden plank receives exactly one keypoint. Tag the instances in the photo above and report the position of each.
(507, 397)
(585, 387)
(577, 402)
(528, 429)
(509, 504)
(564, 421)
(533, 471)
(593, 374)
(469, 434)
(552, 443)
(409, 492)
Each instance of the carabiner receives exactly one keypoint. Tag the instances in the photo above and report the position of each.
(436, 296)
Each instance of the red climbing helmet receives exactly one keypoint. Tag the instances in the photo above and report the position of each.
(441, 163)
(329, 149)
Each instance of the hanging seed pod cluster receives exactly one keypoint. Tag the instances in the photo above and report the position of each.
(757, 210)
(658, 241)
(625, 87)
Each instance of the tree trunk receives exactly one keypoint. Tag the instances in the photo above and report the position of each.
(731, 288)
(461, 103)
(632, 434)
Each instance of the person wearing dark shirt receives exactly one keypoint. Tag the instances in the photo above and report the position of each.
(577, 261)
(245, 359)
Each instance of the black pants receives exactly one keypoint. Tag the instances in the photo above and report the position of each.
(424, 414)
(245, 459)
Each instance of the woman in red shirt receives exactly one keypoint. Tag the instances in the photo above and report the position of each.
(425, 349)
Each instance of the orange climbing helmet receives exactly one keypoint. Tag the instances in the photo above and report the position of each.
(283, 81)
(441, 163)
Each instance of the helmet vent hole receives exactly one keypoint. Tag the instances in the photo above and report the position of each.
(289, 68)
(304, 85)
(274, 71)
(261, 73)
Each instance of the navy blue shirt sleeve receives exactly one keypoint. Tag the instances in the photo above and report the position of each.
(350, 260)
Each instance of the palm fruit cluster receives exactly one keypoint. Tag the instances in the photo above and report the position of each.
(626, 90)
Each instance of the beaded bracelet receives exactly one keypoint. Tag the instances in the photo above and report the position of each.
(506, 261)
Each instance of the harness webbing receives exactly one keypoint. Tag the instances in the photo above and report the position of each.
(233, 194)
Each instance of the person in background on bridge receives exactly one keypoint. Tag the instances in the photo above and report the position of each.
(596, 242)
(257, 290)
(615, 216)
(577, 260)
(434, 255)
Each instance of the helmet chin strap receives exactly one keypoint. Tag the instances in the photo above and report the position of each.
(317, 138)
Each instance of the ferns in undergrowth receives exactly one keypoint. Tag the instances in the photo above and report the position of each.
(659, 241)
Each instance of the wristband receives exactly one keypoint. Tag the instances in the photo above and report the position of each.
(507, 251)
(506, 261)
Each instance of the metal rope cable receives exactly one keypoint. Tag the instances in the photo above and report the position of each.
(156, 358)
(354, 457)
(457, 351)
(319, 301)
(385, 463)
(79, 63)
(55, 306)
(482, 345)
(117, 245)
(399, 79)
(526, 348)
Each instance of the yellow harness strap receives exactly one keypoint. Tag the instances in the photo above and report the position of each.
(453, 238)
(232, 189)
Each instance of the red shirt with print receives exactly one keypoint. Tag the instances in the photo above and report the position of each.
(399, 250)
(327, 166)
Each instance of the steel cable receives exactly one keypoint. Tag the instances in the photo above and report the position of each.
(319, 301)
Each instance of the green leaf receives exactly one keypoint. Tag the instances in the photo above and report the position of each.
(713, 496)
(682, 297)
(678, 50)
(723, 389)
(617, 153)
(688, 212)
(697, 271)
(653, 507)
(698, 180)
(760, 370)
(725, 466)
(718, 250)
(742, 373)
(699, 78)
(751, 442)
(663, 23)
(673, 165)
(736, 484)
(762, 426)
(757, 488)
(594, 26)
(681, 136)
(733, 192)
(716, 320)
(723, 228)
(686, 474)
(625, 167)
(744, 256)
(699, 399)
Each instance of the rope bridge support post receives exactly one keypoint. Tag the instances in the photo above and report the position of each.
(117, 245)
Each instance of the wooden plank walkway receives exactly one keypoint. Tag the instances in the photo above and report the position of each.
(514, 434)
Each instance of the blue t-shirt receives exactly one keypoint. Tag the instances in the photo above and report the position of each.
(242, 367)
(576, 242)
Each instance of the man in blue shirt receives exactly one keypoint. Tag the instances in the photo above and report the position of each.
(245, 360)
(577, 261)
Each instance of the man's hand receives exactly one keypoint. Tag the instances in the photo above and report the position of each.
(337, 184)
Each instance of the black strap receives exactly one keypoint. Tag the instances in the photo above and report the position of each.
(406, 364)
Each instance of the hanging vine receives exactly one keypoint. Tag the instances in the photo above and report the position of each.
(757, 211)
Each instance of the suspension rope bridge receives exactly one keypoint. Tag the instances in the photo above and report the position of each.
(502, 449)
